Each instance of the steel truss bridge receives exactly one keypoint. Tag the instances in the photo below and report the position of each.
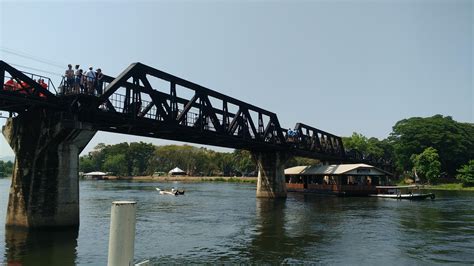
(148, 102)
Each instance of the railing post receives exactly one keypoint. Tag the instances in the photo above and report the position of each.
(122, 233)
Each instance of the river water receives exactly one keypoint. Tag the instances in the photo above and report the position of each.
(225, 223)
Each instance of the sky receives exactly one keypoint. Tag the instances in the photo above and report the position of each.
(340, 66)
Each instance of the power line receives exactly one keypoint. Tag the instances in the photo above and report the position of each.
(32, 57)
(36, 69)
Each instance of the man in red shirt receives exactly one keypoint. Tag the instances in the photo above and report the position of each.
(9, 85)
(43, 84)
(23, 88)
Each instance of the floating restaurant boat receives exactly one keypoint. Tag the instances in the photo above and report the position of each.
(411, 192)
(337, 179)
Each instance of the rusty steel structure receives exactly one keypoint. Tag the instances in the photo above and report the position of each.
(148, 102)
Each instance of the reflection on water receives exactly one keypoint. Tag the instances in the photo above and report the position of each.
(424, 230)
(40, 248)
(283, 235)
(270, 232)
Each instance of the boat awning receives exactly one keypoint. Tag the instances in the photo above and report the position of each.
(96, 173)
(337, 169)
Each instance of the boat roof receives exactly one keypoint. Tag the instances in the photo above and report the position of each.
(397, 187)
(95, 173)
(336, 169)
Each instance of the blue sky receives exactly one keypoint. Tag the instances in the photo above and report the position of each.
(341, 66)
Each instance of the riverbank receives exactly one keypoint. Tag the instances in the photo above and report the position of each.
(186, 179)
(454, 186)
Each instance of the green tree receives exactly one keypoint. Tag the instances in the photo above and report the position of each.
(193, 160)
(117, 164)
(224, 162)
(427, 165)
(140, 155)
(356, 141)
(244, 162)
(297, 161)
(375, 148)
(466, 174)
(369, 147)
(453, 140)
(87, 164)
(6, 168)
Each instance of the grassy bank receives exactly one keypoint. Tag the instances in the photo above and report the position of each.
(230, 179)
(187, 179)
(454, 186)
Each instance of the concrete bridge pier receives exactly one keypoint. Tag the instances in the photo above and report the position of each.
(45, 184)
(271, 174)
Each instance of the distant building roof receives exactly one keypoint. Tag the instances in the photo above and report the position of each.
(336, 169)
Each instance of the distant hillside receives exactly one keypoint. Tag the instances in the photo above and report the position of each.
(7, 158)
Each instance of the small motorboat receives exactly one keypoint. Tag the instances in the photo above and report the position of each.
(411, 192)
(173, 191)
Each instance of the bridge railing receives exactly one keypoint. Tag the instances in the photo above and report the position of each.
(83, 85)
(47, 82)
(18, 84)
(21, 86)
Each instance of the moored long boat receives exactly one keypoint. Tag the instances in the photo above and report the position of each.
(412, 196)
(401, 192)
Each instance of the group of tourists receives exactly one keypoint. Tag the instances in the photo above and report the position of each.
(78, 81)
(21, 86)
(75, 81)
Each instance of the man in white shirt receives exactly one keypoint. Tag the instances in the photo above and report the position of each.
(90, 76)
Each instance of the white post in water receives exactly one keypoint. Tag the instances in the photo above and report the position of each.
(122, 233)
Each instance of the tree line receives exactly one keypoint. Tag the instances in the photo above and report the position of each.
(139, 158)
(426, 148)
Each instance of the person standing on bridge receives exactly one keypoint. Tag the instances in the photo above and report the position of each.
(43, 84)
(290, 135)
(10, 85)
(78, 79)
(90, 76)
(69, 78)
(99, 82)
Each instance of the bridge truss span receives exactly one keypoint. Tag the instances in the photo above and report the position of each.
(310, 141)
(148, 102)
(154, 103)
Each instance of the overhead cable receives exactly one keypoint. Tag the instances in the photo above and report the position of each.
(36, 69)
(32, 57)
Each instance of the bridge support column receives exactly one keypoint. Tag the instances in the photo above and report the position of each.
(45, 183)
(271, 174)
